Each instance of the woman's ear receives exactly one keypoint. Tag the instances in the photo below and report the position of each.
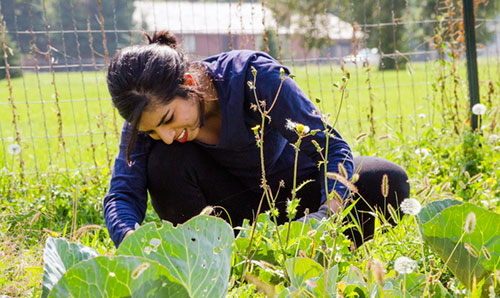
(189, 80)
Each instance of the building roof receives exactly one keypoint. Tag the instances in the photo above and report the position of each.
(180, 17)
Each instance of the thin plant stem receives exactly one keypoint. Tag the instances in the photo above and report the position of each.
(423, 257)
(294, 187)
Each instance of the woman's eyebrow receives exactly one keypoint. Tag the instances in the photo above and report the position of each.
(163, 118)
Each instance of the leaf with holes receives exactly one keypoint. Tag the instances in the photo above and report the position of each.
(119, 276)
(302, 271)
(197, 253)
(467, 254)
(59, 256)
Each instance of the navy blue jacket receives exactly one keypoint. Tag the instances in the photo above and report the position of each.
(126, 202)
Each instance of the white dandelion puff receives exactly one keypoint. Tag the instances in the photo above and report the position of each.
(493, 138)
(290, 125)
(338, 257)
(479, 109)
(491, 292)
(411, 206)
(404, 265)
(470, 223)
(14, 149)
(422, 116)
(298, 127)
(423, 152)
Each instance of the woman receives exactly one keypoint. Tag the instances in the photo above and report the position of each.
(188, 140)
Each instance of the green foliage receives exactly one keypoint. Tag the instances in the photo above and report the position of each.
(120, 276)
(197, 253)
(60, 255)
(13, 58)
(190, 260)
(466, 236)
(270, 44)
(34, 15)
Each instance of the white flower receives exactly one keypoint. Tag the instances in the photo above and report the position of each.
(411, 206)
(14, 149)
(493, 138)
(422, 152)
(404, 265)
(421, 116)
(478, 109)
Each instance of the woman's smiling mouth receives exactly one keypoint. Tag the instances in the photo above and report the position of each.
(182, 138)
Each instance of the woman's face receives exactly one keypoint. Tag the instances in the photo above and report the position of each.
(178, 120)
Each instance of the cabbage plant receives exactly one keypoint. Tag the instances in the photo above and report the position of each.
(189, 260)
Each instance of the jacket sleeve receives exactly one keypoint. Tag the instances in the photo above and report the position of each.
(126, 201)
(293, 105)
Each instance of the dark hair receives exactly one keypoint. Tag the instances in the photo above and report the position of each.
(138, 74)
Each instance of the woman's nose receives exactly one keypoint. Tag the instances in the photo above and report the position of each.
(167, 135)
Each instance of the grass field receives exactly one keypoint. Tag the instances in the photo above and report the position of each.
(66, 120)
(414, 108)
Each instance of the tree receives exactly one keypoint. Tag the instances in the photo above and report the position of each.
(311, 16)
(8, 47)
(81, 15)
(271, 45)
(74, 17)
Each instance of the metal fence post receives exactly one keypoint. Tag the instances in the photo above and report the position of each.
(470, 47)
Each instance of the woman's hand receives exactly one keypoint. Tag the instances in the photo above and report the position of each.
(128, 233)
(322, 212)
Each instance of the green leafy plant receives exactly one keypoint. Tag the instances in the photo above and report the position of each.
(466, 237)
(190, 260)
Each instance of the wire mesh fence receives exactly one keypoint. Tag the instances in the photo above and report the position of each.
(404, 60)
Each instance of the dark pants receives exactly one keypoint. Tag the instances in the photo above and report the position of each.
(186, 179)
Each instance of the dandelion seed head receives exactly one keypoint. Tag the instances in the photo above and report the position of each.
(290, 125)
(338, 257)
(478, 109)
(423, 152)
(404, 265)
(493, 138)
(491, 292)
(301, 129)
(470, 223)
(411, 206)
(14, 149)
(422, 116)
